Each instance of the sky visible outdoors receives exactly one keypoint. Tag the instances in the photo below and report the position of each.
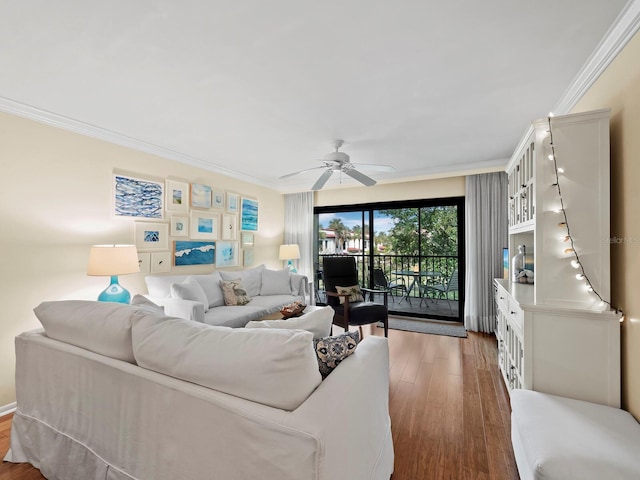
(351, 219)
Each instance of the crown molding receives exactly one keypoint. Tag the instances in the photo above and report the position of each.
(616, 38)
(60, 121)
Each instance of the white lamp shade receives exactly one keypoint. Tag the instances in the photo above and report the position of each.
(289, 252)
(108, 260)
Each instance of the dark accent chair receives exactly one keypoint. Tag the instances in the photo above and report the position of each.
(341, 271)
(381, 282)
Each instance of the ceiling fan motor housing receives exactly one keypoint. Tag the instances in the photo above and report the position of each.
(339, 157)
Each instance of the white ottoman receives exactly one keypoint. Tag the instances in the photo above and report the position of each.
(556, 438)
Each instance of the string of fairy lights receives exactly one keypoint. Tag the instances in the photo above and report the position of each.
(575, 263)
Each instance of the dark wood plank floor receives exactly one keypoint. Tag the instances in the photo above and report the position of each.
(450, 411)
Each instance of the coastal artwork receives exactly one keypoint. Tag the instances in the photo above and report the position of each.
(138, 198)
(151, 236)
(177, 197)
(200, 195)
(193, 253)
(226, 254)
(204, 225)
(249, 215)
(232, 202)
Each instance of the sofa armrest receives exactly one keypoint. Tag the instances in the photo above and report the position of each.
(299, 284)
(176, 307)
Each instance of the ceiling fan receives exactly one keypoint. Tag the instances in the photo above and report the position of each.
(339, 162)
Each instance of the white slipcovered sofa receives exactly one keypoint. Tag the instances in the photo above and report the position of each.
(117, 392)
(267, 289)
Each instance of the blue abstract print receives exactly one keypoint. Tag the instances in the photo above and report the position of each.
(137, 198)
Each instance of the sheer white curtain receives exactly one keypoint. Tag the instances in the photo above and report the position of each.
(486, 232)
(298, 228)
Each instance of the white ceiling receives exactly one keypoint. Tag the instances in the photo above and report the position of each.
(257, 89)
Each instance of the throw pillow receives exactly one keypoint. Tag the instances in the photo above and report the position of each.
(317, 322)
(146, 304)
(276, 282)
(210, 284)
(333, 350)
(234, 292)
(251, 279)
(190, 291)
(354, 292)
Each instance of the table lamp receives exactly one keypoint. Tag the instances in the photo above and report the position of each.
(290, 253)
(113, 260)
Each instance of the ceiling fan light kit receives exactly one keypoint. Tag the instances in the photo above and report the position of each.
(341, 162)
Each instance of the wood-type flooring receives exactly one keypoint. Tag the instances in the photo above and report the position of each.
(450, 413)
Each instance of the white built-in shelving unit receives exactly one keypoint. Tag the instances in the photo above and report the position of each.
(555, 335)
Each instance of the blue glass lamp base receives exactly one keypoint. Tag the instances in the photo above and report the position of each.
(114, 292)
(291, 267)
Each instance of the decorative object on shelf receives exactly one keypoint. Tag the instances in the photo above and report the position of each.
(179, 226)
(521, 274)
(505, 262)
(218, 199)
(203, 225)
(160, 262)
(186, 252)
(151, 236)
(290, 253)
(249, 214)
(294, 309)
(111, 261)
(226, 254)
(229, 226)
(133, 197)
(233, 202)
(177, 198)
(200, 195)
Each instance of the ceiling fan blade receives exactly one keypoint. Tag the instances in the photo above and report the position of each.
(361, 177)
(322, 180)
(301, 171)
(375, 167)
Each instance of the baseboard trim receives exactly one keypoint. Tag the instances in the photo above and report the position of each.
(7, 409)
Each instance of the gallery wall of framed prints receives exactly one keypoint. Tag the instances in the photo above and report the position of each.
(180, 223)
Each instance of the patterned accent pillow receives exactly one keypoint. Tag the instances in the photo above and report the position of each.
(354, 292)
(234, 292)
(332, 350)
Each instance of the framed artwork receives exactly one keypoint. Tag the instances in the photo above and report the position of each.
(249, 214)
(247, 240)
(505, 262)
(177, 196)
(247, 258)
(133, 197)
(160, 262)
(144, 262)
(226, 254)
(186, 252)
(233, 202)
(229, 227)
(203, 225)
(151, 236)
(218, 199)
(200, 195)
(179, 226)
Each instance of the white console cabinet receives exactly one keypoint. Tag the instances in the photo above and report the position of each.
(555, 336)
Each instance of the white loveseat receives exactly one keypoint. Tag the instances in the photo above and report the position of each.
(116, 392)
(268, 290)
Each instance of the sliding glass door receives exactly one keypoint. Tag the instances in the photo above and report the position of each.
(414, 249)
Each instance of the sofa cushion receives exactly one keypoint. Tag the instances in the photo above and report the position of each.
(317, 322)
(276, 282)
(234, 293)
(210, 283)
(144, 303)
(273, 367)
(330, 351)
(251, 279)
(190, 291)
(159, 286)
(232, 316)
(100, 327)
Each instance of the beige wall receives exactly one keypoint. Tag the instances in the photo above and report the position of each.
(55, 202)
(619, 88)
(436, 188)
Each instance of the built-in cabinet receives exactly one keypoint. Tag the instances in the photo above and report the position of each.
(555, 335)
